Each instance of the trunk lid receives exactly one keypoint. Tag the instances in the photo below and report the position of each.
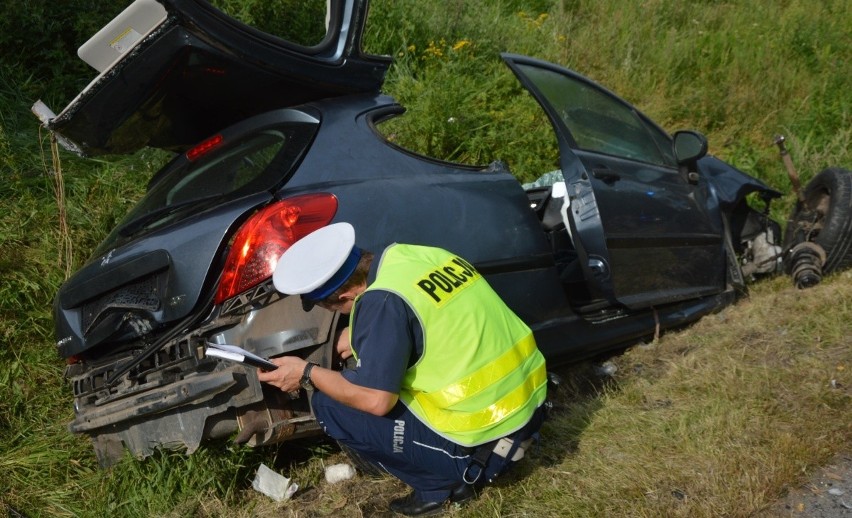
(174, 71)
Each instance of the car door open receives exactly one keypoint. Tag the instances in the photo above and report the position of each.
(643, 230)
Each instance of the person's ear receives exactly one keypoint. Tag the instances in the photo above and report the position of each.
(351, 293)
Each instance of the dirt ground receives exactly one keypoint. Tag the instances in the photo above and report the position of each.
(827, 494)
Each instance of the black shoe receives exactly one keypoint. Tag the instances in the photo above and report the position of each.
(411, 506)
(462, 494)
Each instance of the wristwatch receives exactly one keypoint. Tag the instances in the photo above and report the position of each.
(306, 382)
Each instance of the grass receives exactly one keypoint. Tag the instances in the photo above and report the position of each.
(717, 419)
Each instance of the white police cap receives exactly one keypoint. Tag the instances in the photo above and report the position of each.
(319, 263)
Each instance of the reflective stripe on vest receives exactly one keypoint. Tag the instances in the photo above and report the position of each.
(482, 378)
(460, 422)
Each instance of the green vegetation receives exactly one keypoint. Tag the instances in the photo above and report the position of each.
(299, 21)
(714, 420)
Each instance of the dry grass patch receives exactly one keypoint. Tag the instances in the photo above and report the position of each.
(719, 419)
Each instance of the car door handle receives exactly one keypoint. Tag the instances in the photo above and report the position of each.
(606, 176)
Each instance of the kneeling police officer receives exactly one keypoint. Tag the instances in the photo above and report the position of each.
(448, 387)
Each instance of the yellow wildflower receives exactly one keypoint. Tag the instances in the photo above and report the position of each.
(434, 50)
(461, 44)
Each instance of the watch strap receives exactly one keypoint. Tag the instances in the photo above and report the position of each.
(306, 381)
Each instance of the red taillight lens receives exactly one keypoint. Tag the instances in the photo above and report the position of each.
(205, 147)
(262, 239)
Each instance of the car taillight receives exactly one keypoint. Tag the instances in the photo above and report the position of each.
(262, 239)
(205, 147)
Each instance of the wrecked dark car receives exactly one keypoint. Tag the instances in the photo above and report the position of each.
(637, 231)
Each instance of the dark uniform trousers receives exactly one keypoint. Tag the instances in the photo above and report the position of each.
(402, 445)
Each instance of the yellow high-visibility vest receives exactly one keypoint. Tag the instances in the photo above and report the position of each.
(480, 376)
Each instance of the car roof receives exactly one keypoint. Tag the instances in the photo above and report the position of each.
(188, 70)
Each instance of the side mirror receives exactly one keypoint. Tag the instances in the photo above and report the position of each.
(689, 146)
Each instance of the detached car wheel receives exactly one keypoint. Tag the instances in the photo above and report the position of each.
(823, 218)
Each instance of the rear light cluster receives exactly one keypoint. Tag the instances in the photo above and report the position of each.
(262, 239)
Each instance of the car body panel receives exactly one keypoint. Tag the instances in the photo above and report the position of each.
(730, 184)
(102, 286)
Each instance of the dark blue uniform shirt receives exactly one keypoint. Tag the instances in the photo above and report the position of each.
(387, 337)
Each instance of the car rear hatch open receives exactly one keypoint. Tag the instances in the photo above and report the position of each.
(172, 72)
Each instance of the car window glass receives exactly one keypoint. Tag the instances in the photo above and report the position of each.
(598, 121)
(227, 171)
(664, 144)
(251, 164)
(298, 21)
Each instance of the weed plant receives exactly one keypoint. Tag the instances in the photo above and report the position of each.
(715, 420)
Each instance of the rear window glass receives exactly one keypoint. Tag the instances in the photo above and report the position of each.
(257, 162)
(302, 22)
(229, 171)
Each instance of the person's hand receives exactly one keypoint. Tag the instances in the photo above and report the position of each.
(288, 374)
(341, 344)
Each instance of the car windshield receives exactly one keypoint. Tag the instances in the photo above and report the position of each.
(600, 122)
(250, 164)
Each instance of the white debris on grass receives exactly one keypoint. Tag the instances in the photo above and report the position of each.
(606, 369)
(273, 485)
(338, 473)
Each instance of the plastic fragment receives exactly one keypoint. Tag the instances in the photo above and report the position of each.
(273, 485)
